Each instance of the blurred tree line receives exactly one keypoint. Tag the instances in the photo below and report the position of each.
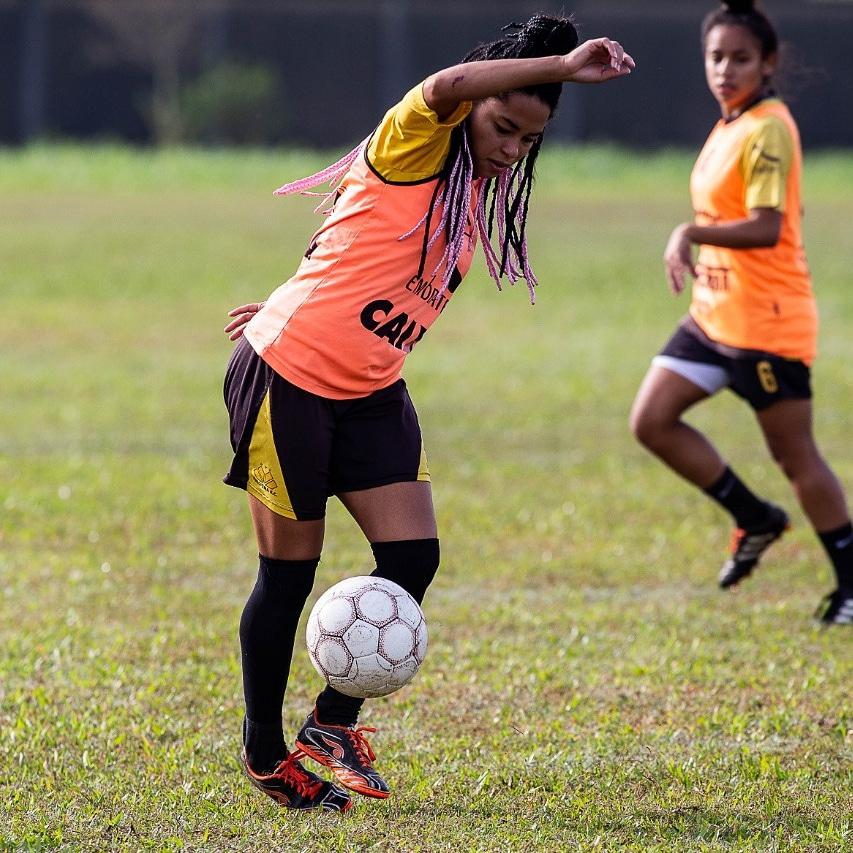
(196, 93)
(322, 72)
(229, 101)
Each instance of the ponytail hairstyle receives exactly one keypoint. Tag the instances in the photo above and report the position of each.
(743, 13)
(505, 198)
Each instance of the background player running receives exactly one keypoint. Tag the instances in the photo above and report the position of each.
(313, 388)
(752, 323)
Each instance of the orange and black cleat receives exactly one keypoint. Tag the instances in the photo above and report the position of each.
(748, 545)
(346, 752)
(294, 787)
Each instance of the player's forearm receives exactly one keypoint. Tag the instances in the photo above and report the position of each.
(472, 81)
(760, 230)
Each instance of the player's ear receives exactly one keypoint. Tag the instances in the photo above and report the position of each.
(769, 65)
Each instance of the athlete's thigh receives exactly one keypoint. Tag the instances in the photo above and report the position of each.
(393, 513)
(665, 395)
(682, 374)
(282, 538)
(787, 428)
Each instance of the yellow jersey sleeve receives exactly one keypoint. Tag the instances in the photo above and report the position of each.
(765, 164)
(411, 143)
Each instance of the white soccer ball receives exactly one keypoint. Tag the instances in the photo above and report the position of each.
(366, 636)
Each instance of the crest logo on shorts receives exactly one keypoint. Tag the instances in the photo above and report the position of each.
(264, 478)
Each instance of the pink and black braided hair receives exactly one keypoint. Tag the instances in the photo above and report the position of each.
(505, 198)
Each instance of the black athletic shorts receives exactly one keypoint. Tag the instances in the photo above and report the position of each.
(293, 449)
(760, 378)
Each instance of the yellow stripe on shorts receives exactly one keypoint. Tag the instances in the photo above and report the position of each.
(423, 467)
(266, 480)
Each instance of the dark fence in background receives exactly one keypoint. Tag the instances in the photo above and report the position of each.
(338, 64)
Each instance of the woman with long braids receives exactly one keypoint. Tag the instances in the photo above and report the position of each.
(752, 323)
(313, 387)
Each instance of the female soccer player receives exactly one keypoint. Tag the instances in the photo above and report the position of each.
(752, 323)
(313, 387)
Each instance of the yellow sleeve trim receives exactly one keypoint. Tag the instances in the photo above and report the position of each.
(411, 143)
(766, 163)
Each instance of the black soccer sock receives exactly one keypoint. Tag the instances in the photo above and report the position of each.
(267, 631)
(729, 491)
(410, 563)
(839, 546)
(337, 709)
(265, 746)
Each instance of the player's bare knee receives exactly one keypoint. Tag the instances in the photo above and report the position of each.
(647, 427)
(794, 457)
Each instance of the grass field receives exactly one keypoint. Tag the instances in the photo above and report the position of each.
(587, 688)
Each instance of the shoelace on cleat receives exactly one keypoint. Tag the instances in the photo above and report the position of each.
(361, 745)
(291, 772)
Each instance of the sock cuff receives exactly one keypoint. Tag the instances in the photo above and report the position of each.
(832, 537)
(292, 565)
(291, 576)
(403, 549)
(720, 487)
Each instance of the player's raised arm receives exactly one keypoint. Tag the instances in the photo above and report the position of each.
(595, 61)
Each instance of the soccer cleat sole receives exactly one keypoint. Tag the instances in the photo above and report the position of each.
(343, 774)
(284, 801)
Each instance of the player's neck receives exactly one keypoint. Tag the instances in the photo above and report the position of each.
(761, 95)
